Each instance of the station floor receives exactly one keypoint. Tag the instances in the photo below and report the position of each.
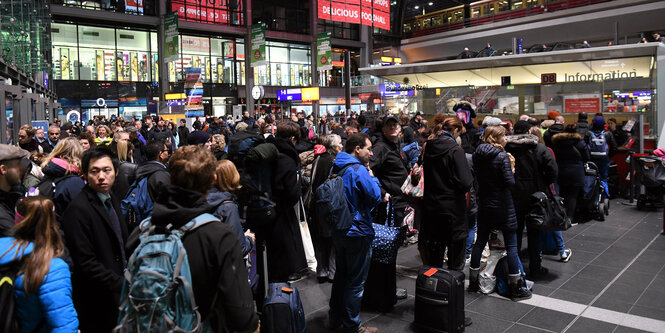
(614, 282)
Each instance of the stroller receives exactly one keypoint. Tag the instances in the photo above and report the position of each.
(594, 200)
(650, 172)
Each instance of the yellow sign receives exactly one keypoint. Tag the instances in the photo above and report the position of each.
(174, 96)
(310, 94)
(397, 60)
(386, 59)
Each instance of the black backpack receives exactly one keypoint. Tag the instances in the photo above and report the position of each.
(47, 188)
(8, 320)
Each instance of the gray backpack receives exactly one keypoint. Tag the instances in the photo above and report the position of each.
(157, 294)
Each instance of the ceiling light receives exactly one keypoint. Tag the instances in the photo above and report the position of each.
(416, 7)
(431, 3)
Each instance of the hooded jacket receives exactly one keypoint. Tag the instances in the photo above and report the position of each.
(389, 166)
(67, 188)
(158, 177)
(553, 130)
(7, 203)
(227, 211)
(362, 193)
(215, 261)
(583, 128)
(535, 168)
(571, 152)
(51, 306)
(447, 178)
(495, 180)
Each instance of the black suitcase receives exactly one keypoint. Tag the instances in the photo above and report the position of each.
(439, 300)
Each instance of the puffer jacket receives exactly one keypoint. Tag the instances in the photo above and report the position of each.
(227, 211)
(495, 180)
(535, 168)
(52, 306)
(571, 152)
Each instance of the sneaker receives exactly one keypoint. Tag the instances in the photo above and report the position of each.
(401, 293)
(565, 255)
(365, 329)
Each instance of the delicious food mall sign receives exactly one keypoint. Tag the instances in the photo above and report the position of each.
(367, 12)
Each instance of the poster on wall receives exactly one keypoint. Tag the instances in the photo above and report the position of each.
(134, 6)
(120, 66)
(171, 37)
(99, 67)
(143, 66)
(155, 67)
(193, 89)
(64, 63)
(134, 67)
(324, 51)
(109, 61)
(258, 42)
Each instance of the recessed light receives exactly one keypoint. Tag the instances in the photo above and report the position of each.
(431, 3)
(416, 7)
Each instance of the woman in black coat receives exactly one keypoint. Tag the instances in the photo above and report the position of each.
(447, 179)
(286, 254)
(321, 233)
(571, 152)
(494, 172)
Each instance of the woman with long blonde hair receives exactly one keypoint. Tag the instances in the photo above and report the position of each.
(43, 289)
(62, 173)
(494, 172)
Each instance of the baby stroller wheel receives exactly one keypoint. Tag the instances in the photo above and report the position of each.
(601, 212)
(606, 201)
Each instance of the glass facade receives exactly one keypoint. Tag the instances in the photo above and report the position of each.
(136, 7)
(289, 16)
(24, 35)
(103, 54)
(227, 12)
(288, 65)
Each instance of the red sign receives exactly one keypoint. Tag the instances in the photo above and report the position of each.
(367, 12)
(193, 12)
(577, 105)
(365, 96)
(548, 78)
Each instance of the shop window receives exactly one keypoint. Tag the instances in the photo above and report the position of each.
(133, 40)
(94, 37)
(137, 7)
(65, 63)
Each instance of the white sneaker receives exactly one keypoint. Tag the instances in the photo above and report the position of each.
(565, 255)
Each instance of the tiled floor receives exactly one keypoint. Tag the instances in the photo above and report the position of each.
(615, 282)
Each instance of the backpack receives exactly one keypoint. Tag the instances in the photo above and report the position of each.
(253, 158)
(157, 293)
(47, 188)
(598, 144)
(331, 203)
(137, 204)
(8, 320)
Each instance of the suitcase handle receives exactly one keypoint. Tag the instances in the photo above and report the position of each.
(433, 301)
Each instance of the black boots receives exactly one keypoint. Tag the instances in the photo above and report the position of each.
(518, 290)
(474, 285)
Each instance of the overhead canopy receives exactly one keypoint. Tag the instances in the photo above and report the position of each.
(593, 64)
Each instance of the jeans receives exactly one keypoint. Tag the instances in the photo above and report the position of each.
(353, 256)
(510, 241)
(558, 238)
(473, 226)
(603, 168)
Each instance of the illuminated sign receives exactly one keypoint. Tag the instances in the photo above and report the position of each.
(212, 11)
(374, 13)
(395, 89)
(310, 94)
(174, 96)
(386, 59)
(289, 94)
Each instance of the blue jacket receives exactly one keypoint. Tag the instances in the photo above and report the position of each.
(227, 210)
(362, 191)
(52, 306)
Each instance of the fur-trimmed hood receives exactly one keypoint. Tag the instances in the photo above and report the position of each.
(566, 136)
(523, 139)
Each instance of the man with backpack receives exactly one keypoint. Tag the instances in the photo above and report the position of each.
(213, 256)
(151, 180)
(602, 145)
(353, 246)
(96, 232)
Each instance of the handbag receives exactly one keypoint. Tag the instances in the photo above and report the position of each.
(387, 238)
(547, 213)
(306, 236)
(414, 184)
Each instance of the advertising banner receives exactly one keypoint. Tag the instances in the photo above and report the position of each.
(171, 37)
(324, 51)
(367, 12)
(258, 42)
(577, 104)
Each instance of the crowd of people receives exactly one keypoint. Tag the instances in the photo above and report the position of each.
(62, 223)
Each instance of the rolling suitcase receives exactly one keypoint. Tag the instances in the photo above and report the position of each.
(439, 300)
(282, 309)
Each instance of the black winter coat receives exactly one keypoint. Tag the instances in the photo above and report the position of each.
(319, 227)
(124, 179)
(535, 168)
(285, 248)
(447, 179)
(495, 179)
(389, 166)
(183, 132)
(158, 177)
(98, 263)
(470, 138)
(7, 204)
(552, 131)
(571, 152)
